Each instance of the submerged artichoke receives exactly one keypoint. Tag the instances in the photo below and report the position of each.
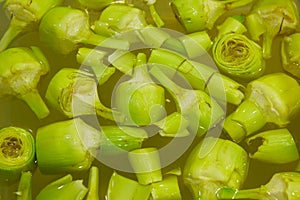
(273, 98)
(269, 18)
(25, 16)
(20, 72)
(232, 24)
(238, 56)
(283, 186)
(140, 99)
(212, 164)
(72, 147)
(63, 29)
(17, 153)
(118, 18)
(93, 184)
(121, 187)
(75, 143)
(234, 53)
(146, 165)
(74, 92)
(94, 59)
(273, 146)
(197, 15)
(195, 106)
(200, 76)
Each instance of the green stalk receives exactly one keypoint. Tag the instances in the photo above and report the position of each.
(279, 97)
(170, 59)
(124, 61)
(167, 189)
(173, 125)
(269, 18)
(73, 92)
(290, 57)
(197, 15)
(224, 89)
(238, 56)
(272, 98)
(233, 24)
(274, 146)
(245, 120)
(63, 29)
(230, 193)
(95, 4)
(101, 28)
(117, 139)
(130, 22)
(95, 59)
(152, 36)
(17, 153)
(25, 187)
(217, 85)
(200, 76)
(194, 105)
(283, 185)
(36, 103)
(15, 28)
(260, 28)
(121, 187)
(91, 57)
(174, 44)
(93, 186)
(118, 18)
(63, 188)
(140, 99)
(20, 72)
(212, 164)
(196, 44)
(72, 147)
(146, 164)
(26, 15)
(155, 16)
(99, 40)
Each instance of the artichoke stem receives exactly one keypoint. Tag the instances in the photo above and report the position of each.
(15, 28)
(229, 193)
(108, 113)
(166, 189)
(93, 184)
(102, 41)
(174, 44)
(146, 164)
(63, 188)
(267, 45)
(36, 103)
(166, 81)
(155, 16)
(25, 187)
(121, 187)
(248, 118)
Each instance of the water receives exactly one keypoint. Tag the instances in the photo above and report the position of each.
(15, 112)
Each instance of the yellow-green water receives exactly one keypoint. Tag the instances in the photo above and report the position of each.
(15, 112)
